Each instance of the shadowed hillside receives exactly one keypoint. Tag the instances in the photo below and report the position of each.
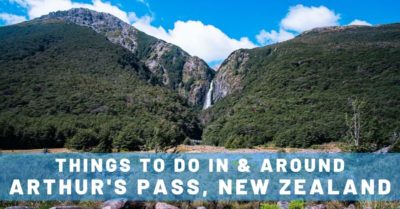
(64, 84)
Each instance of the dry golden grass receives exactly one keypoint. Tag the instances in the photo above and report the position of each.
(28, 151)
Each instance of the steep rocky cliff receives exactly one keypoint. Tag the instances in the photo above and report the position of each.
(170, 65)
(230, 75)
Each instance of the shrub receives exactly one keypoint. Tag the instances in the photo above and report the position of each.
(187, 141)
(129, 138)
(268, 206)
(395, 147)
(296, 204)
(85, 139)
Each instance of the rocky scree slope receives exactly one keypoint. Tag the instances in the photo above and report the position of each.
(169, 64)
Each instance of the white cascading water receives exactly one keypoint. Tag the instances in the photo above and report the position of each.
(208, 101)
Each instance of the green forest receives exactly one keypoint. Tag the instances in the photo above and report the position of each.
(66, 85)
(308, 90)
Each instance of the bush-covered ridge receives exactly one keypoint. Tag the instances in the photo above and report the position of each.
(298, 93)
(169, 64)
(63, 84)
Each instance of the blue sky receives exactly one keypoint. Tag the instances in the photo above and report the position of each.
(213, 29)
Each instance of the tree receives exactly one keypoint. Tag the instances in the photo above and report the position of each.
(84, 139)
(129, 138)
(354, 123)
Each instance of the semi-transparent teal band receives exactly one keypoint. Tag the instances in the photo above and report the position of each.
(205, 176)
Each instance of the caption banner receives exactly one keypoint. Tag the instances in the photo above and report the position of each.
(174, 177)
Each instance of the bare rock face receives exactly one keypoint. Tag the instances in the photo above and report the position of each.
(66, 207)
(351, 206)
(320, 206)
(115, 29)
(169, 64)
(196, 79)
(230, 74)
(162, 205)
(114, 204)
(383, 150)
(283, 204)
(18, 207)
(329, 29)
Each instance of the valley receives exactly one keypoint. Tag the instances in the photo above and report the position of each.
(85, 80)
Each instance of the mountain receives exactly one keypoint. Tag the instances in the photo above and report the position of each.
(308, 90)
(89, 81)
(169, 64)
(62, 84)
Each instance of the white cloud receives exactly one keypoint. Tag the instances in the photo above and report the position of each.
(10, 19)
(145, 2)
(360, 22)
(205, 41)
(19, 2)
(37, 8)
(301, 18)
(147, 5)
(298, 19)
(273, 36)
(100, 6)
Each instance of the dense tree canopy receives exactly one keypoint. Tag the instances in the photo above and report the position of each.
(63, 84)
(298, 93)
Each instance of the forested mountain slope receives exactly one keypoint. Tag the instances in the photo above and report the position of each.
(300, 92)
(170, 65)
(64, 84)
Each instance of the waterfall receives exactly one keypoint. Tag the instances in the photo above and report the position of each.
(208, 101)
